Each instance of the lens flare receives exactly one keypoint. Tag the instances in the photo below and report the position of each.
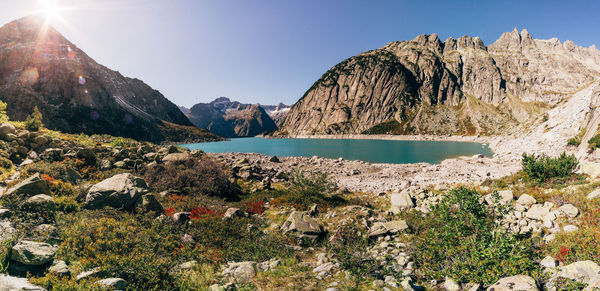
(81, 80)
(49, 8)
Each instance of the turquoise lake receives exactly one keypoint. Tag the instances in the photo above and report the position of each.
(375, 151)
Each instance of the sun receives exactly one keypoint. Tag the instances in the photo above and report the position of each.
(49, 8)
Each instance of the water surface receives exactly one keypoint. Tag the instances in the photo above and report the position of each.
(369, 150)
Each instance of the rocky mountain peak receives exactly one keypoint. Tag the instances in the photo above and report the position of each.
(431, 41)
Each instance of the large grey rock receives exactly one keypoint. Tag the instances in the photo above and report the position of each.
(539, 211)
(177, 157)
(232, 213)
(119, 191)
(7, 231)
(582, 271)
(40, 202)
(241, 272)
(504, 197)
(31, 186)
(113, 283)
(303, 225)
(7, 128)
(519, 282)
(32, 253)
(382, 228)
(59, 267)
(569, 210)
(592, 169)
(401, 201)
(526, 200)
(9, 283)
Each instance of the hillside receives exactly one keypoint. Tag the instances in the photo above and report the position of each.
(459, 86)
(40, 67)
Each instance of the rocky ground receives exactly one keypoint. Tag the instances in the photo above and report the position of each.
(103, 213)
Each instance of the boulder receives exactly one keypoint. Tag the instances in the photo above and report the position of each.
(7, 231)
(382, 228)
(591, 169)
(241, 272)
(52, 155)
(451, 285)
(232, 213)
(113, 283)
(526, 200)
(505, 196)
(40, 202)
(519, 282)
(32, 253)
(181, 217)
(569, 210)
(119, 191)
(59, 267)
(183, 267)
(10, 283)
(401, 201)
(582, 271)
(87, 274)
(548, 262)
(539, 211)
(594, 194)
(303, 225)
(176, 157)
(31, 186)
(7, 128)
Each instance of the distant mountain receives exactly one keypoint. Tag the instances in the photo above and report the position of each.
(459, 86)
(277, 112)
(184, 109)
(232, 119)
(40, 67)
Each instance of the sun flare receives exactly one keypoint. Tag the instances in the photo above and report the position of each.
(49, 8)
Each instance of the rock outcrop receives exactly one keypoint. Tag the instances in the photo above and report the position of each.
(231, 119)
(119, 191)
(459, 86)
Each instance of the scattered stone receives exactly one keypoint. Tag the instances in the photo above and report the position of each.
(451, 285)
(519, 282)
(570, 228)
(241, 272)
(539, 211)
(569, 210)
(526, 200)
(176, 157)
(303, 225)
(9, 283)
(548, 262)
(59, 267)
(7, 231)
(87, 274)
(32, 253)
(119, 191)
(183, 267)
(113, 283)
(40, 202)
(582, 271)
(181, 217)
(401, 201)
(594, 194)
(591, 169)
(232, 213)
(31, 186)
(382, 228)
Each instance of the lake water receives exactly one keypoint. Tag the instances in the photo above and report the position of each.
(375, 151)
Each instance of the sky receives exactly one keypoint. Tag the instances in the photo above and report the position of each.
(271, 51)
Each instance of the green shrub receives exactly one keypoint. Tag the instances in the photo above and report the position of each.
(306, 189)
(594, 142)
(34, 121)
(574, 141)
(542, 168)
(464, 242)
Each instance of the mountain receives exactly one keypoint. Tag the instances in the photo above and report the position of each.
(277, 112)
(40, 67)
(231, 119)
(459, 86)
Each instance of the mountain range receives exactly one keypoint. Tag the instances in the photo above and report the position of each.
(459, 86)
(40, 67)
(234, 119)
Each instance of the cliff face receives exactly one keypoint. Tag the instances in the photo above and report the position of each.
(458, 86)
(40, 67)
(231, 119)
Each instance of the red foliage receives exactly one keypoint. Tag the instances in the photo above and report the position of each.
(203, 212)
(255, 207)
(170, 211)
(563, 253)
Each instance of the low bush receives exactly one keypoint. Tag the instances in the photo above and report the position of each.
(594, 142)
(193, 176)
(34, 120)
(461, 239)
(306, 189)
(541, 169)
(581, 245)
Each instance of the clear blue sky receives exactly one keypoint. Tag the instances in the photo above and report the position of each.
(271, 51)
